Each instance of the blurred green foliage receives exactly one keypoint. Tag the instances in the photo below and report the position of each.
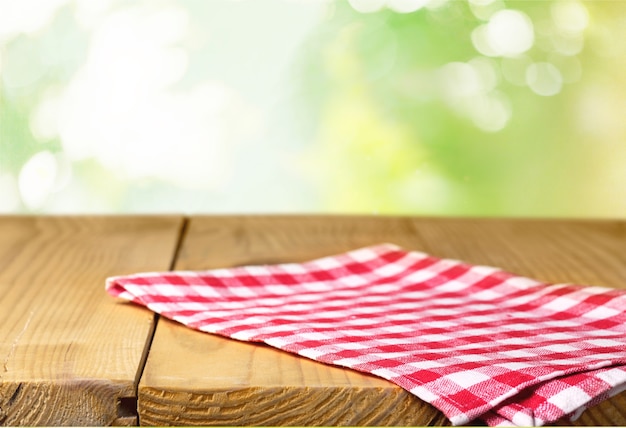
(391, 142)
(478, 107)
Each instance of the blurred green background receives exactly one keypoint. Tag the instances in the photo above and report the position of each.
(429, 107)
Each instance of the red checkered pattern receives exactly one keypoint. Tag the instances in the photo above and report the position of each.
(474, 341)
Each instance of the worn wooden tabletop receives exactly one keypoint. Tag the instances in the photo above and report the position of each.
(71, 355)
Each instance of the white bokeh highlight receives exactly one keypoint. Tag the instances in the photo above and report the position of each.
(544, 79)
(508, 33)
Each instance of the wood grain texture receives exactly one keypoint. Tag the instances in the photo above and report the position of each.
(200, 380)
(576, 251)
(69, 353)
(193, 378)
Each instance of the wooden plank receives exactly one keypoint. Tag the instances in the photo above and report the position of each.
(193, 378)
(578, 251)
(70, 354)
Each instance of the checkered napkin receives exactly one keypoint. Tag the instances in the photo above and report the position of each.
(474, 341)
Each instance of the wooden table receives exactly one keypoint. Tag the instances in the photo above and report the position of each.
(71, 355)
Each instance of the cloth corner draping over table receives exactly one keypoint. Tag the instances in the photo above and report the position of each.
(474, 341)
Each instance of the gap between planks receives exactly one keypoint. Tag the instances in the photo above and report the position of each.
(124, 407)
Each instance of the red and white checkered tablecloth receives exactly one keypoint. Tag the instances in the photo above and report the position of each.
(474, 341)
